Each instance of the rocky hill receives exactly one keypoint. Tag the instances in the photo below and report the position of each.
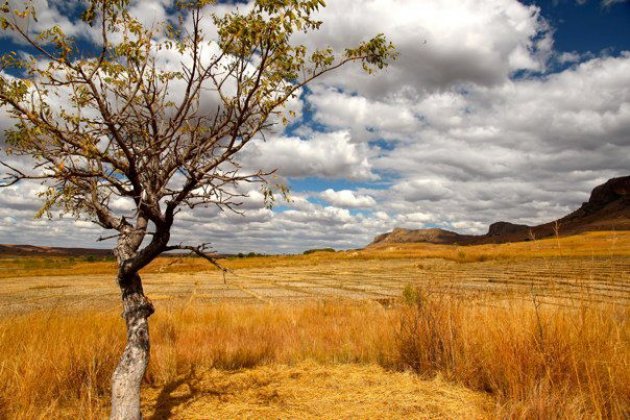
(434, 236)
(608, 208)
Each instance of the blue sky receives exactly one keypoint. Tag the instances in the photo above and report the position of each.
(495, 110)
(588, 27)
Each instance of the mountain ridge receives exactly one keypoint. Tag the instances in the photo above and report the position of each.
(608, 208)
(22, 250)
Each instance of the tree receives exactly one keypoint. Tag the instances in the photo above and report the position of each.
(114, 120)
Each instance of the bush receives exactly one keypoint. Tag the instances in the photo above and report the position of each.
(311, 251)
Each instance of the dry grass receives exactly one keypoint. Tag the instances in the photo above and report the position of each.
(592, 244)
(530, 330)
(539, 361)
(533, 362)
(59, 361)
(313, 391)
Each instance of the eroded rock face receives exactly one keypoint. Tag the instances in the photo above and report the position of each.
(505, 228)
(612, 190)
(609, 200)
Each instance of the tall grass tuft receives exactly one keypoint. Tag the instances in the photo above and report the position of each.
(61, 361)
(538, 361)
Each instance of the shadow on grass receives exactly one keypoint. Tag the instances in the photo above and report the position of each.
(166, 401)
(227, 385)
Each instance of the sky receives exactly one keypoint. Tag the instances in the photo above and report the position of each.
(494, 110)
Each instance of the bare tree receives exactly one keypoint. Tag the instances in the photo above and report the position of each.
(154, 115)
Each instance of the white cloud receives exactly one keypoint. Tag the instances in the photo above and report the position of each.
(328, 155)
(468, 144)
(347, 198)
(366, 118)
(417, 218)
(413, 190)
(441, 43)
(568, 57)
(49, 13)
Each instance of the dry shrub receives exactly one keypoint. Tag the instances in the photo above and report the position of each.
(540, 362)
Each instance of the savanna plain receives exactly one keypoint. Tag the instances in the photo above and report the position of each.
(536, 329)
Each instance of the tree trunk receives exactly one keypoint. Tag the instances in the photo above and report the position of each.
(127, 377)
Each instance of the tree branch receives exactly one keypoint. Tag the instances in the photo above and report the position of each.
(200, 251)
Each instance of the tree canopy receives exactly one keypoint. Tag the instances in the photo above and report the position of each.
(156, 114)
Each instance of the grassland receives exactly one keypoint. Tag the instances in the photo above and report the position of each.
(537, 329)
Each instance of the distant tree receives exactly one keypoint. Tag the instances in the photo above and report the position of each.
(115, 120)
(312, 251)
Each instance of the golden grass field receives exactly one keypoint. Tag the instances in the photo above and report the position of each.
(536, 329)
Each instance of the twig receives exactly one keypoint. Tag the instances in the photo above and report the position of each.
(105, 238)
(199, 250)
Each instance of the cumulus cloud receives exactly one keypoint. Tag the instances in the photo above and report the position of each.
(568, 57)
(367, 119)
(527, 150)
(441, 43)
(302, 225)
(453, 138)
(328, 155)
(49, 13)
(347, 198)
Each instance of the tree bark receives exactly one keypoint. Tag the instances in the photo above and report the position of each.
(137, 308)
(127, 377)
